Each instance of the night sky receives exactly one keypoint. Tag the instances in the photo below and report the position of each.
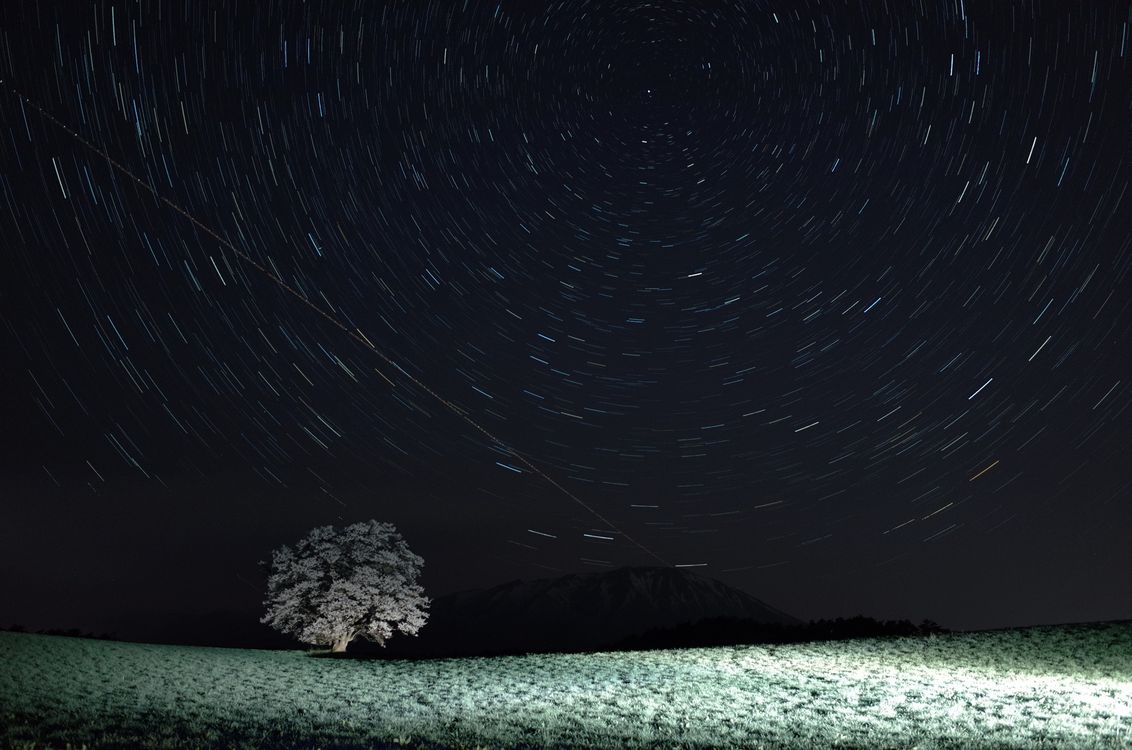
(829, 298)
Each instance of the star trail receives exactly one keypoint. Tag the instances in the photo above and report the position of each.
(831, 300)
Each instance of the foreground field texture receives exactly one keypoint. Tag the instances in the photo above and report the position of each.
(1063, 687)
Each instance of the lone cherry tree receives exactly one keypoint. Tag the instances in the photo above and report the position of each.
(336, 585)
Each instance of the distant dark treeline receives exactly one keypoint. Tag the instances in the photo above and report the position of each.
(730, 631)
(715, 631)
(70, 632)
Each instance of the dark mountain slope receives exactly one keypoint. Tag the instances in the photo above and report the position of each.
(577, 612)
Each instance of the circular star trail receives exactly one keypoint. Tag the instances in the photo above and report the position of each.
(765, 285)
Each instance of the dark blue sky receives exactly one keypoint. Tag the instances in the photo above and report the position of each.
(832, 300)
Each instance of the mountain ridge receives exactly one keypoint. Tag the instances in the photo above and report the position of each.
(576, 611)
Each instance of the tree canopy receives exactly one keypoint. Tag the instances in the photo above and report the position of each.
(336, 585)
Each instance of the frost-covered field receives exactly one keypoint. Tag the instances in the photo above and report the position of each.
(1064, 687)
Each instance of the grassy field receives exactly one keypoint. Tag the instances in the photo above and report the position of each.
(1058, 687)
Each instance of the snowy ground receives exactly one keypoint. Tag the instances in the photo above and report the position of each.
(1063, 687)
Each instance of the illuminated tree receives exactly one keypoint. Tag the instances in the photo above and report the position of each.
(337, 585)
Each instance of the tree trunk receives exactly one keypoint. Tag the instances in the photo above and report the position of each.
(339, 645)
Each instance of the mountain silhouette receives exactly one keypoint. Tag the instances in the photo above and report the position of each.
(575, 612)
